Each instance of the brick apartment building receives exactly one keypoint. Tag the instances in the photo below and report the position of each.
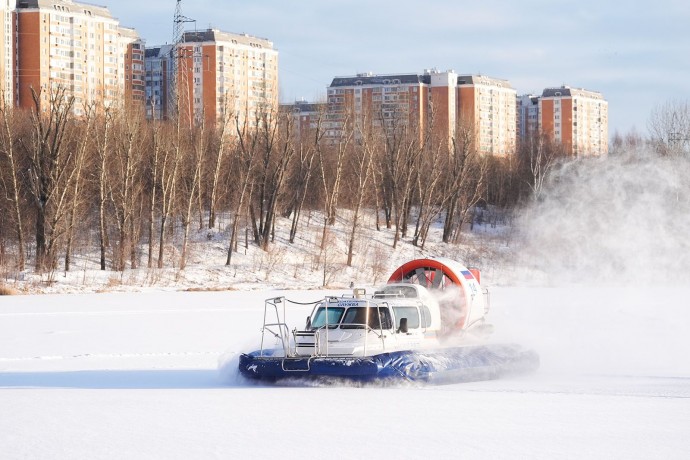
(489, 105)
(576, 118)
(6, 51)
(218, 74)
(78, 47)
(441, 101)
(306, 116)
(134, 50)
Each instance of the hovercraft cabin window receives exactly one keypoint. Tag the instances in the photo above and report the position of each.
(426, 315)
(379, 318)
(332, 317)
(411, 313)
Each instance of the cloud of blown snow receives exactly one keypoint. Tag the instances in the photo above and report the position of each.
(621, 220)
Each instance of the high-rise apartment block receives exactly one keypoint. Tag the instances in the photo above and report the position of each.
(441, 101)
(527, 116)
(379, 100)
(134, 50)
(217, 74)
(489, 106)
(81, 49)
(77, 47)
(306, 116)
(6, 51)
(158, 65)
(576, 118)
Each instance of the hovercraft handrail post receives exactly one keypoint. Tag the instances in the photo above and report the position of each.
(328, 299)
(368, 328)
(283, 330)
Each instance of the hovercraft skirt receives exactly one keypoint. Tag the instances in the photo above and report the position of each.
(449, 365)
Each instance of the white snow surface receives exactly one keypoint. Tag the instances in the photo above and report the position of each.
(135, 375)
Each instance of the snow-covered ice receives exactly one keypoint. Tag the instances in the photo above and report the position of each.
(135, 375)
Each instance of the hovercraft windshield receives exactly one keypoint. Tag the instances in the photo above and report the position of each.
(351, 318)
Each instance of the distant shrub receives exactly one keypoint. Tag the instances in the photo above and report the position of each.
(4, 290)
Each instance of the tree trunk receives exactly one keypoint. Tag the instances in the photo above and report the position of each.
(9, 150)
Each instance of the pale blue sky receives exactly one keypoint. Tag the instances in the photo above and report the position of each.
(637, 54)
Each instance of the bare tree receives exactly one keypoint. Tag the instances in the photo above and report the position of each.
(191, 165)
(124, 185)
(428, 189)
(539, 155)
(401, 154)
(623, 143)
(223, 129)
(102, 137)
(155, 161)
(669, 128)
(504, 188)
(82, 150)
(276, 152)
(463, 183)
(8, 152)
(332, 163)
(50, 159)
(169, 166)
(361, 160)
(244, 162)
(303, 171)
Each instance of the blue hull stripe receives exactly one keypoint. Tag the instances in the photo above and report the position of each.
(449, 365)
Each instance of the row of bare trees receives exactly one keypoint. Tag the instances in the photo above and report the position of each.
(116, 184)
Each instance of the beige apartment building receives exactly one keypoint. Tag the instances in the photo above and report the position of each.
(377, 100)
(489, 105)
(442, 100)
(217, 74)
(576, 118)
(527, 116)
(78, 47)
(6, 51)
(306, 117)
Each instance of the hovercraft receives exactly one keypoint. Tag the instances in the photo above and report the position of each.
(428, 324)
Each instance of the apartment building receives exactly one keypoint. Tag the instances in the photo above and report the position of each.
(377, 100)
(576, 118)
(6, 51)
(158, 70)
(527, 116)
(441, 100)
(133, 49)
(489, 106)
(216, 74)
(78, 47)
(306, 117)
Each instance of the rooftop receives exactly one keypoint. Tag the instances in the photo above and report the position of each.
(66, 6)
(214, 35)
(567, 91)
(386, 79)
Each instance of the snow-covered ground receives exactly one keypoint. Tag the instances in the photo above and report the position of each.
(135, 375)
